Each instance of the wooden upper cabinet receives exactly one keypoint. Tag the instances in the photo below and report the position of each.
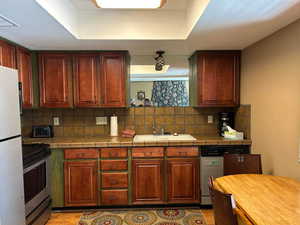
(81, 188)
(113, 79)
(217, 77)
(183, 180)
(24, 66)
(55, 71)
(7, 54)
(86, 80)
(147, 182)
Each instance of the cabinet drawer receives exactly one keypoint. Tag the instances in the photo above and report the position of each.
(182, 151)
(147, 152)
(113, 152)
(114, 164)
(114, 180)
(114, 197)
(81, 154)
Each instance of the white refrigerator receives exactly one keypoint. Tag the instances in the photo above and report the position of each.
(12, 206)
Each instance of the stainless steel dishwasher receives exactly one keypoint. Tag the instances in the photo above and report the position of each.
(211, 164)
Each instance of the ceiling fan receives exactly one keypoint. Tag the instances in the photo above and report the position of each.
(130, 4)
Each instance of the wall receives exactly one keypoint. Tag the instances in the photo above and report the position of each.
(270, 82)
(81, 122)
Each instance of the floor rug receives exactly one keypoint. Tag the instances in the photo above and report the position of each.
(144, 217)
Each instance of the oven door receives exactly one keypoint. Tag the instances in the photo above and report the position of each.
(36, 184)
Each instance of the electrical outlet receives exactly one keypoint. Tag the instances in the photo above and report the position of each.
(210, 119)
(56, 121)
(101, 120)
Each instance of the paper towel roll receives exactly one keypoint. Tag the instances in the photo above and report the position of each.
(113, 126)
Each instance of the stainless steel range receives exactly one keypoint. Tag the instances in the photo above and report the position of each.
(36, 162)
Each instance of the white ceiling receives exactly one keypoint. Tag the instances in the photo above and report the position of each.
(224, 24)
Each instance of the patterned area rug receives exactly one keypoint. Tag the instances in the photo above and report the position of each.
(144, 217)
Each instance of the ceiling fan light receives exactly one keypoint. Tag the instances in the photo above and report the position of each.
(130, 4)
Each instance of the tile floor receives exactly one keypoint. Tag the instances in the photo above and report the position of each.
(73, 218)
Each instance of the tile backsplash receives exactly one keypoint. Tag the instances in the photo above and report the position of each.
(82, 122)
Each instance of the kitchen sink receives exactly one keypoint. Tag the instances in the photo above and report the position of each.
(162, 138)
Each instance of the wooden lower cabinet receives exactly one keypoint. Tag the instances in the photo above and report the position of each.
(93, 180)
(114, 180)
(114, 197)
(81, 183)
(242, 164)
(183, 180)
(148, 182)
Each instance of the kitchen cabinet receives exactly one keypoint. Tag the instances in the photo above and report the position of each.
(86, 80)
(114, 180)
(114, 197)
(113, 79)
(116, 176)
(148, 181)
(24, 66)
(81, 187)
(215, 78)
(55, 71)
(7, 54)
(183, 180)
(99, 79)
(242, 164)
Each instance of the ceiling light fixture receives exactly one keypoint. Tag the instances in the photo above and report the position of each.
(129, 4)
(159, 61)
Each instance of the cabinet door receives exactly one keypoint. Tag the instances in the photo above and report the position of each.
(25, 76)
(242, 164)
(80, 183)
(7, 55)
(55, 81)
(148, 181)
(113, 80)
(232, 164)
(218, 79)
(183, 181)
(86, 81)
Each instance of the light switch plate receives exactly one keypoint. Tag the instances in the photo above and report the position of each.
(56, 121)
(101, 120)
(210, 119)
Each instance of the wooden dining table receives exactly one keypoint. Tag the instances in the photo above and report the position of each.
(263, 199)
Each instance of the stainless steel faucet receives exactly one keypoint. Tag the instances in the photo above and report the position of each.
(162, 131)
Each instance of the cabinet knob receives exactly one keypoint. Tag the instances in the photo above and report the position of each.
(148, 153)
(113, 154)
(111, 198)
(113, 182)
(183, 153)
(80, 155)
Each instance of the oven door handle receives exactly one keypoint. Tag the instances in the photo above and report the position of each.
(35, 165)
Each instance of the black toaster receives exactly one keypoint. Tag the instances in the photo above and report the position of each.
(42, 131)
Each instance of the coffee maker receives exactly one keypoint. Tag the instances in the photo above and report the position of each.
(225, 119)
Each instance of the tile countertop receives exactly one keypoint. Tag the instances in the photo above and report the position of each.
(106, 141)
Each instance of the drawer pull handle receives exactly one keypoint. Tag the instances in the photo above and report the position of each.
(113, 154)
(183, 153)
(113, 182)
(111, 198)
(148, 153)
(80, 155)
